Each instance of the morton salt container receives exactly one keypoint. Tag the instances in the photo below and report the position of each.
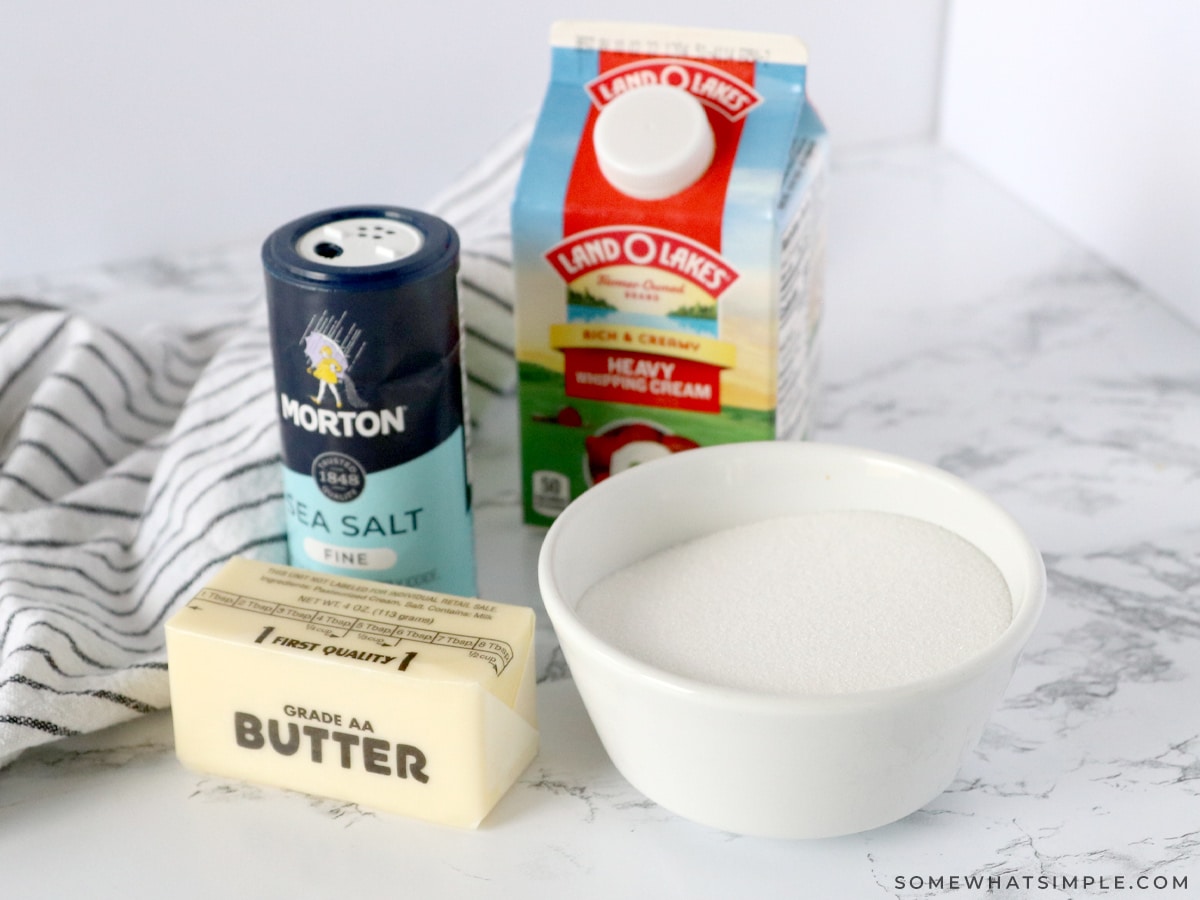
(367, 346)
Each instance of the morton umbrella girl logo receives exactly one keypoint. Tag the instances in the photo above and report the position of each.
(332, 348)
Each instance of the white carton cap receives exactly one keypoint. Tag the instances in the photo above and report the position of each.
(653, 141)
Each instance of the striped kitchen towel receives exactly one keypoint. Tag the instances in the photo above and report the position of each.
(133, 465)
(478, 205)
(132, 468)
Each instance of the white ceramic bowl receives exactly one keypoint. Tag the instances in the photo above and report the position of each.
(779, 766)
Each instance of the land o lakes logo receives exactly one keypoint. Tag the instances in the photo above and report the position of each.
(714, 87)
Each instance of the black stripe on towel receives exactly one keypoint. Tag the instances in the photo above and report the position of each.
(38, 725)
(91, 597)
(100, 694)
(75, 648)
(502, 261)
(104, 410)
(488, 294)
(147, 384)
(190, 585)
(12, 308)
(51, 454)
(25, 485)
(62, 420)
(23, 366)
(203, 535)
(477, 335)
(485, 385)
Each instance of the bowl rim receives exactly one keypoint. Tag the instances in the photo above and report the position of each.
(1006, 647)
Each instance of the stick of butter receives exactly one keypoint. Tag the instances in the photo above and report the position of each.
(399, 699)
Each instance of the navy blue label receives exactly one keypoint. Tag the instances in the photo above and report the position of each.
(338, 388)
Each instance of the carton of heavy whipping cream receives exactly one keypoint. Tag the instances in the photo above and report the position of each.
(669, 241)
(399, 699)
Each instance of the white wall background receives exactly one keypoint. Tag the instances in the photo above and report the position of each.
(132, 127)
(135, 127)
(1088, 110)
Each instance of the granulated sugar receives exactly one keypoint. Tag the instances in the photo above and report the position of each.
(822, 602)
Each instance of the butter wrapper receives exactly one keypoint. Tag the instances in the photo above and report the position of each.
(402, 700)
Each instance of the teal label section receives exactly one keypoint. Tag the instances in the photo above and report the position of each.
(410, 524)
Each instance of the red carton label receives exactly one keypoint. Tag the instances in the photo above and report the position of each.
(715, 88)
(591, 202)
(644, 379)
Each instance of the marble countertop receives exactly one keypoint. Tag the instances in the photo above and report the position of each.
(962, 330)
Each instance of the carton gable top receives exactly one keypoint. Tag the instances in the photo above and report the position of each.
(669, 40)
